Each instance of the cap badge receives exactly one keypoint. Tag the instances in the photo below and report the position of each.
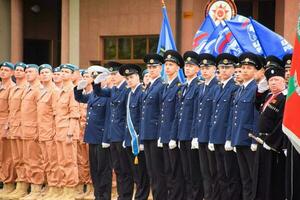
(204, 61)
(288, 61)
(269, 62)
(272, 71)
(247, 60)
(127, 71)
(225, 61)
(169, 56)
(151, 61)
(189, 59)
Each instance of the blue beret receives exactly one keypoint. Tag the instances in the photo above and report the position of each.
(20, 64)
(69, 66)
(45, 66)
(7, 64)
(56, 69)
(146, 71)
(32, 66)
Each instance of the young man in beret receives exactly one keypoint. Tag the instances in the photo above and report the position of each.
(169, 108)
(134, 146)
(15, 128)
(244, 121)
(57, 77)
(7, 171)
(67, 116)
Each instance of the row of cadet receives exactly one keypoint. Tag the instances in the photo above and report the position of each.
(185, 141)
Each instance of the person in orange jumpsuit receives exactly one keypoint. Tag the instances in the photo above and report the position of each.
(46, 126)
(67, 116)
(14, 136)
(7, 173)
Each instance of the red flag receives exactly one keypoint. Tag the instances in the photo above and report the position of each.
(291, 123)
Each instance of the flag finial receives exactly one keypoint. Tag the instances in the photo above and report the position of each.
(163, 3)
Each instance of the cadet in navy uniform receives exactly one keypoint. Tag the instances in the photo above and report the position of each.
(269, 179)
(228, 175)
(169, 107)
(96, 134)
(188, 154)
(131, 73)
(244, 121)
(202, 123)
(118, 98)
(150, 120)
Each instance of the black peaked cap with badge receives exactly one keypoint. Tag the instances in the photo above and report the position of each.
(273, 61)
(287, 60)
(174, 56)
(129, 69)
(153, 59)
(191, 57)
(206, 59)
(226, 59)
(262, 61)
(249, 58)
(113, 66)
(274, 71)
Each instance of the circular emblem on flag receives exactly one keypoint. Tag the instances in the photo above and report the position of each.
(127, 71)
(225, 61)
(169, 56)
(189, 59)
(151, 61)
(221, 10)
(247, 60)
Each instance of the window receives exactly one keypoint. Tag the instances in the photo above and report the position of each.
(129, 48)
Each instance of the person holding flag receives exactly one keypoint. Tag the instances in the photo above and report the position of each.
(132, 142)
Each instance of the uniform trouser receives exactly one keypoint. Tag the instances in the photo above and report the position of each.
(209, 172)
(155, 167)
(16, 146)
(7, 169)
(173, 169)
(233, 175)
(228, 174)
(245, 159)
(33, 162)
(121, 166)
(83, 163)
(50, 162)
(140, 175)
(292, 173)
(192, 175)
(67, 162)
(101, 171)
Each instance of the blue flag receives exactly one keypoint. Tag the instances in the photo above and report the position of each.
(202, 35)
(271, 42)
(210, 43)
(166, 42)
(245, 35)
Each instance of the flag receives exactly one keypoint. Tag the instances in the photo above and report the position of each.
(291, 125)
(166, 42)
(245, 35)
(203, 34)
(211, 41)
(275, 44)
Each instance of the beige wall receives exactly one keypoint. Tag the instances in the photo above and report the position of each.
(5, 32)
(291, 13)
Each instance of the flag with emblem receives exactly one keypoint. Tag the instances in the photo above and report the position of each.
(202, 35)
(282, 47)
(166, 42)
(245, 35)
(291, 125)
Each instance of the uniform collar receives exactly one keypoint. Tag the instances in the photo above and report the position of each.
(152, 81)
(120, 85)
(190, 81)
(245, 84)
(225, 82)
(208, 82)
(133, 91)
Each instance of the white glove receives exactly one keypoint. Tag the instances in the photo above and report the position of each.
(195, 144)
(262, 86)
(178, 144)
(82, 84)
(211, 147)
(285, 152)
(172, 144)
(159, 144)
(228, 146)
(266, 146)
(123, 144)
(105, 145)
(253, 147)
(234, 149)
(141, 147)
(101, 77)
